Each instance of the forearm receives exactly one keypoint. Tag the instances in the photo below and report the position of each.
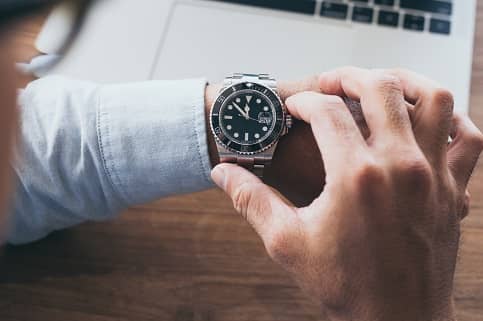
(210, 94)
(60, 177)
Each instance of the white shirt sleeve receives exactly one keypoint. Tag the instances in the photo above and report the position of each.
(88, 151)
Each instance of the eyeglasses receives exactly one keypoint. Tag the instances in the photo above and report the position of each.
(73, 13)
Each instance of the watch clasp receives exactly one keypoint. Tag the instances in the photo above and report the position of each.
(288, 124)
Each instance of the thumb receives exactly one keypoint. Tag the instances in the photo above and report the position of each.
(255, 201)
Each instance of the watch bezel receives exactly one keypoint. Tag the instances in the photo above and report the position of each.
(258, 147)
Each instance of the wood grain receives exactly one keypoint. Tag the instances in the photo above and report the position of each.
(189, 258)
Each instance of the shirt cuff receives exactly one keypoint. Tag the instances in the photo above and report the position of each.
(153, 138)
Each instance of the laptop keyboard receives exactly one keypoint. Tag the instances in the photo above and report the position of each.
(433, 16)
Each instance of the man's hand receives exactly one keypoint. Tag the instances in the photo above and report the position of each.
(380, 242)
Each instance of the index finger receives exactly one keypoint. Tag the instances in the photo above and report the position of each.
(334, 128)
(290, 88)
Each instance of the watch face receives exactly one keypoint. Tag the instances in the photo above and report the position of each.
(247, 118)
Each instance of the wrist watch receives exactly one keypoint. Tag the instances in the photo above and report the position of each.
(247, 119)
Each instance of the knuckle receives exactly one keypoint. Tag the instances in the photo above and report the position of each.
(476, 139)
(415, 166)
(386, 83)
(242, 198)
(247, 205)
(414, 173)
(331, 108)
(470, 134)
(444, 99)
(370, 183)
(466, 203)
(369, 175)
(334, 101)
(311, 83)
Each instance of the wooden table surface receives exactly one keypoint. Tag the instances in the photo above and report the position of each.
(189, 258)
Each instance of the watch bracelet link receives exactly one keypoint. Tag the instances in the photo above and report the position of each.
(263, 79)
(254, 164)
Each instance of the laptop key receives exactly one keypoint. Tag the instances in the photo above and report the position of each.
(299, 6)
(389, 3)
(362, 14)
(433, 6)
(412, 22)
(334, 10)
(388, 18)
(440, 26)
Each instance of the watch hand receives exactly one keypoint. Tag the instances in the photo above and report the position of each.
(240, 110)
(247, 110)
(249, 118)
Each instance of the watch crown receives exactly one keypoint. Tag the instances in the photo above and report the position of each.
(289, 121)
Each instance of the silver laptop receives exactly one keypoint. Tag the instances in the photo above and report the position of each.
(126, 40)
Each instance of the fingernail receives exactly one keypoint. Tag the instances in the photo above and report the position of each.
(218, 176)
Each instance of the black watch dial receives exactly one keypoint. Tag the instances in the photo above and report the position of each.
(247, 118)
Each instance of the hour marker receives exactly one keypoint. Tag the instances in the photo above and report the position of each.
(246, 136)
(266, 108)
(265, 128)
(229, 127)
(228, 117)
(238, 100)
(249, 98)
(257, 136)
(259, 101)
(230, 107)
(236, 135)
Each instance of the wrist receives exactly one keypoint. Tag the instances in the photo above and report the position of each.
(211, 92)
